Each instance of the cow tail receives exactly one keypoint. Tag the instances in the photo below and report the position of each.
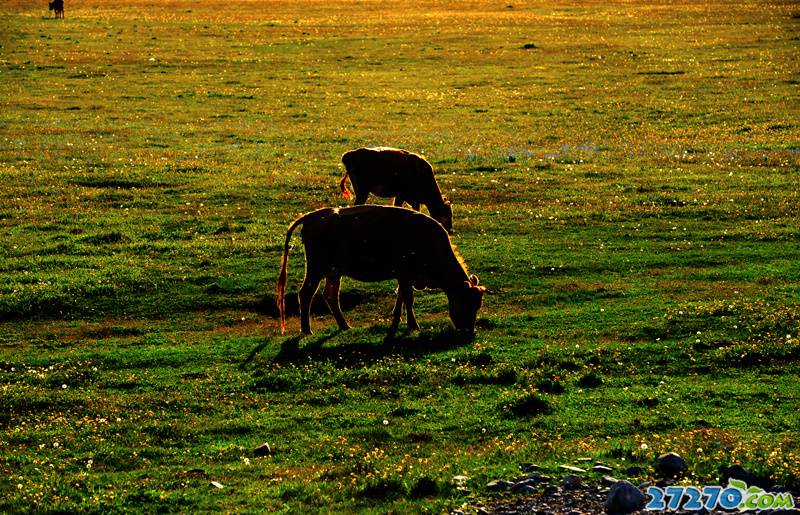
(280, 292)
(343, 185)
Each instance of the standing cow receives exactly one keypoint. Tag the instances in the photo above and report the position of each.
(391, 172)
(377, 243)
(57, 6)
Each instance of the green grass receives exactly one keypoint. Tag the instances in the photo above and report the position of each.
(624, 180)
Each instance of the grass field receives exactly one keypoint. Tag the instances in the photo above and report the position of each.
(625, 182)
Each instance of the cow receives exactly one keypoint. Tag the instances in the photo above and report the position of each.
(373, 243)
(57, 6)
(391, 172)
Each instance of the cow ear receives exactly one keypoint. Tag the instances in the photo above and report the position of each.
(473, 279)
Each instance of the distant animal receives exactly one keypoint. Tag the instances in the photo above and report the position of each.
(376, 243)
(57, 6)
(391, 172)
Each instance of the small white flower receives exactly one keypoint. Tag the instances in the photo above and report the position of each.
(644, 446)
(385, 422)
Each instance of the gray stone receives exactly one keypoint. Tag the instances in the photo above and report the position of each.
(608, 480)
(262, 450)
(523, 489)
(571, 482)
(570, 468)
(529, 467)
(216, 485)
(495, 486)
(634, 471)
(742, 474)
(671, 465)
(602, 469)
(539, 478)
(525, 482)
(624, 498)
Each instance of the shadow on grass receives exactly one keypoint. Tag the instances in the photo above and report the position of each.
(407, 345)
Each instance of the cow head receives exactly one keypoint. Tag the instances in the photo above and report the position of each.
(464, 304)
(445, 216)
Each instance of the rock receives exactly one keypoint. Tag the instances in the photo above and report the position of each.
(520, 488)
(495, 486)
(551, 490)
(634, 471)
(216, 485)
(529, 467)
(624, 498)
(571, 482)
(738, 472)
(671, 465)
(570, 468)
(262, 450)
(539, 478)
(608, 480)
(525, 482)
(602, 469)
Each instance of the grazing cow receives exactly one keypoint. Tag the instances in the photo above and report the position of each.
(391, 172)
(377, 243)
(57, 6)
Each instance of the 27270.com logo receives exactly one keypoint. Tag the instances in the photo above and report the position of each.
(736, 496)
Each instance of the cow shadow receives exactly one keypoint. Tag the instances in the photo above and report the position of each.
(403, 344)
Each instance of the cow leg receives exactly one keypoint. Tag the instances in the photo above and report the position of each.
(306, 294)
(361, 193)
(331, 294)
(397, 312)
(361, 197)
(406, 291)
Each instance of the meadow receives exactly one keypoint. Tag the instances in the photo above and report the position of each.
(624, 178)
